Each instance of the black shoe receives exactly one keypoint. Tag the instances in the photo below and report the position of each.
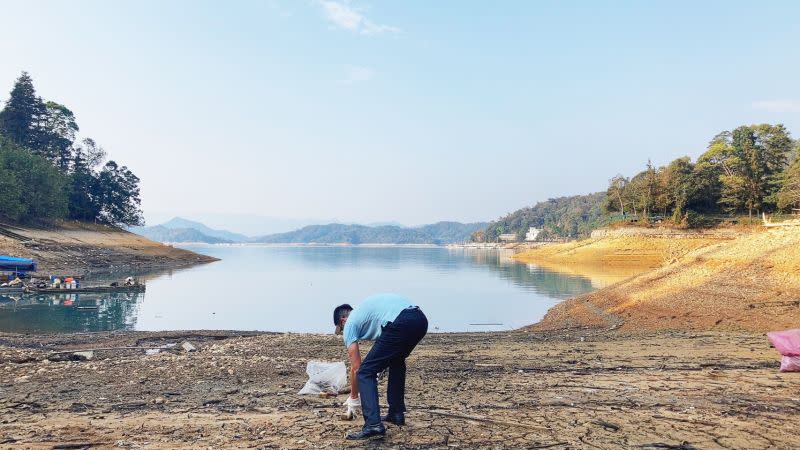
(395, 418)
(371, 433)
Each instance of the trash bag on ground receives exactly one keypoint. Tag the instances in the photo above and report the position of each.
(787, 342)
(790, 364)
(325, 376)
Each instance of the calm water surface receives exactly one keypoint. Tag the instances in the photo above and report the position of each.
(295, 289)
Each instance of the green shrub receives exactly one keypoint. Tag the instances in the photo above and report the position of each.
(694, 219)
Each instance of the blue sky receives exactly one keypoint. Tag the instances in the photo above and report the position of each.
(411, 111)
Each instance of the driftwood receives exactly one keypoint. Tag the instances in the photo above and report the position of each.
(486, 420)
(111, 349)
(681, 446)
(554, 444)
(78, 445)
(693, 422)
(606, 425)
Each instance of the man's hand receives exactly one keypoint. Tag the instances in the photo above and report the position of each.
(352, 407)
(352, 402)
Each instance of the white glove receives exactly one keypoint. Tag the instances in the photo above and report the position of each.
(352, 403)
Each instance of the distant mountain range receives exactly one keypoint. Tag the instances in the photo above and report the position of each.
(334, 233)
(161, 233)
(182, 230)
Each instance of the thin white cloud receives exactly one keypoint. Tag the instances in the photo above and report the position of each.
(357, 74)
(778, 106)
(346, 17)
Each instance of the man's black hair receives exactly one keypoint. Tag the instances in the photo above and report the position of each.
(341, 311)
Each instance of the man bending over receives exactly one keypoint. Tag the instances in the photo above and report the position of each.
(396, 325)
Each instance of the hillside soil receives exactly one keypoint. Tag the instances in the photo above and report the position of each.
(565, 390)
(639, 248)
(748, 282)
(75, 248)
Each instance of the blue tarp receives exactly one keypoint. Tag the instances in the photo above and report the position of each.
(12, 264)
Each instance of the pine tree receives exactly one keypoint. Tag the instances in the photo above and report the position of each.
(21, 118)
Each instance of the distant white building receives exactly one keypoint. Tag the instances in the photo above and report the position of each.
(533, 232)
(508, 237)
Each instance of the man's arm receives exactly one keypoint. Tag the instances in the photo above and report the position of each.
(354, 353)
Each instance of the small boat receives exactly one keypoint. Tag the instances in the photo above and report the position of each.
(18, 266)
(90, 289)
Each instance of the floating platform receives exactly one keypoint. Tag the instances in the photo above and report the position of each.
(12, 290)
(89, 290)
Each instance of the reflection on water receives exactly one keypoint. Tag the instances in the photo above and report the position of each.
(541, 281)
(55, 313)
(293, 289)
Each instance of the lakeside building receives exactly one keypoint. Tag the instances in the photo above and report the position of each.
(532, 234)
(508, 237)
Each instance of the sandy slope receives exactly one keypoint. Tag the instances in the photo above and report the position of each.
(751, 282)
(76, 248)
(625, 248)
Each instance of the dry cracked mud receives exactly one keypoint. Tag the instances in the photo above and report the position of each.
(559, 390)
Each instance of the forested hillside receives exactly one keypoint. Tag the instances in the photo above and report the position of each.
(563, 217)
(438, 233)
(48, 173)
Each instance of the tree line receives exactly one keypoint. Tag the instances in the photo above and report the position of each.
(47, 173)
(749, 170)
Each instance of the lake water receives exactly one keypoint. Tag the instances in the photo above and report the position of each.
(296, 288)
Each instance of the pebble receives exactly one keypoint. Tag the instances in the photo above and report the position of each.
(188, 347)
(87, 355)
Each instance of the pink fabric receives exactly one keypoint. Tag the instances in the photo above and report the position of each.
(787, 342)
(790, 364)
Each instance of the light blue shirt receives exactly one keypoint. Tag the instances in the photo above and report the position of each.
(366, 320)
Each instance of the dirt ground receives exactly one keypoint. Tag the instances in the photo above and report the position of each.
(75, 248)
(627, 248)
(565, 390)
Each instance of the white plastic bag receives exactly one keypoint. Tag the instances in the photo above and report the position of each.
(324, 376)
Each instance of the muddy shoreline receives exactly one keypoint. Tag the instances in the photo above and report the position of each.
(563, 390)
(79, 249)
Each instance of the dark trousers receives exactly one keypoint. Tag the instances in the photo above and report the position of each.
(390, 350)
